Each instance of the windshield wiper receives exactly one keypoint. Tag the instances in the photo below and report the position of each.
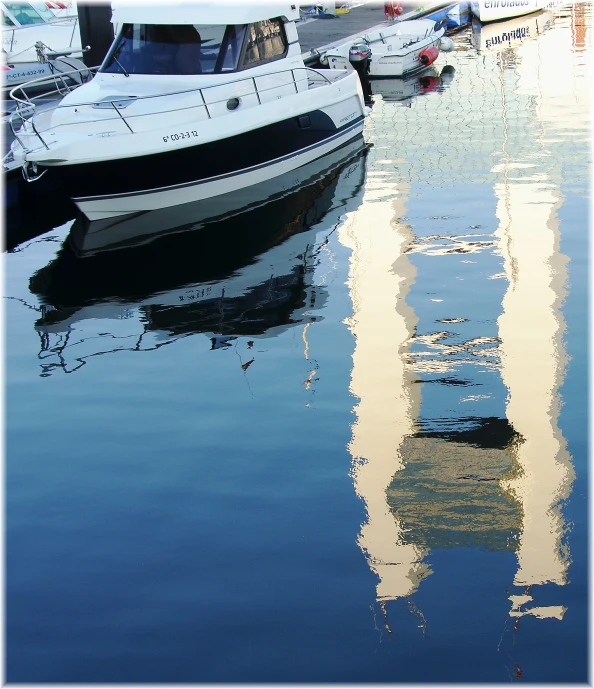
(115, 57)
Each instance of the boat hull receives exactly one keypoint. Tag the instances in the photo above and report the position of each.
(202, 172)
(109, 234)
(399, 66)
(496, 10)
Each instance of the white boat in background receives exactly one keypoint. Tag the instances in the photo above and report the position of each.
(192, 101)
(37, 41)
(397, 50)
(511, 33)
(498, 10)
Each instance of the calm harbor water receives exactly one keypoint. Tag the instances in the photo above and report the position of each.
(341, 437)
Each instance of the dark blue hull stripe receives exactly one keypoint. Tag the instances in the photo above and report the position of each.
(208, 161)
(352, 128)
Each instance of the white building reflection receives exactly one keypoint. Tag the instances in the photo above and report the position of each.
(382, 323)
(448, 489)
(531, 325)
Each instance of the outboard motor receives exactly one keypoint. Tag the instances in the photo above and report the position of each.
(359, 56)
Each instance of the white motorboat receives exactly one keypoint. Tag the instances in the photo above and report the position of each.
(192, 101)
(511, 33)
(394, 51)
(498, 10)
(37, 41)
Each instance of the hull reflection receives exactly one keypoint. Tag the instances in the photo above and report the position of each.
(402, 91)
(509, 34)
(250, 274)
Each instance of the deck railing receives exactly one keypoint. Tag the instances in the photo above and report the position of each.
(26, 108)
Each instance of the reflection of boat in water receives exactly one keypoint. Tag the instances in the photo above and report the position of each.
(35, 39)
(245, 275)
(402, 91)
(510, 34)
(88, 237)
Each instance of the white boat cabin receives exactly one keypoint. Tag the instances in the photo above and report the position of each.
(200, 38)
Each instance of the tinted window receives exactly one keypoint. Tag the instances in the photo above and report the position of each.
(175, 49)
(42, 9)
(265, 41)
(24, 13)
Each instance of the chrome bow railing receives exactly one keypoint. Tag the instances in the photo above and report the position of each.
(27, 107)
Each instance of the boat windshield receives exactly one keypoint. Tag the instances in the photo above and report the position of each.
(175, 49)
(28, 13)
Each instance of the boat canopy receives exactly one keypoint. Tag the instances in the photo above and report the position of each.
(202, 12)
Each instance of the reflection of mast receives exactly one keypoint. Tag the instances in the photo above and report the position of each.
(533, 360)
(382, 323)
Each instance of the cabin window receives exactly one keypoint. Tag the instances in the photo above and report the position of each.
(266, 41)
(194, 48)
(175, 49)
(24, 13)
(7, 21)
(41, 9)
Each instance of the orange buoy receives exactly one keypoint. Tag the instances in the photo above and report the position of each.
(429, 55)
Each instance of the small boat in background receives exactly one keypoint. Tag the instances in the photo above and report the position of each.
(394, 51)
(38, 41)
(455, 16)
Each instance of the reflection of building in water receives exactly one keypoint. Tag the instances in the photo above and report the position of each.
(250, 275)
(532, 366)
(493, 477)
(531, 325)
(380, 275)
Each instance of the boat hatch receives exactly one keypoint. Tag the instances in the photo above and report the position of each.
(109, 101)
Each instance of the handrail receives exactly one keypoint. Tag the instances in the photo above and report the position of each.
(26, 108)
(39, 81)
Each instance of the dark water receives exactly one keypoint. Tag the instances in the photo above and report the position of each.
(341, 437)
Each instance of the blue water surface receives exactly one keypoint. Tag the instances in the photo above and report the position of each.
(190, 436)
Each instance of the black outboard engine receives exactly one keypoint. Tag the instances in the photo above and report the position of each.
(359, 55)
